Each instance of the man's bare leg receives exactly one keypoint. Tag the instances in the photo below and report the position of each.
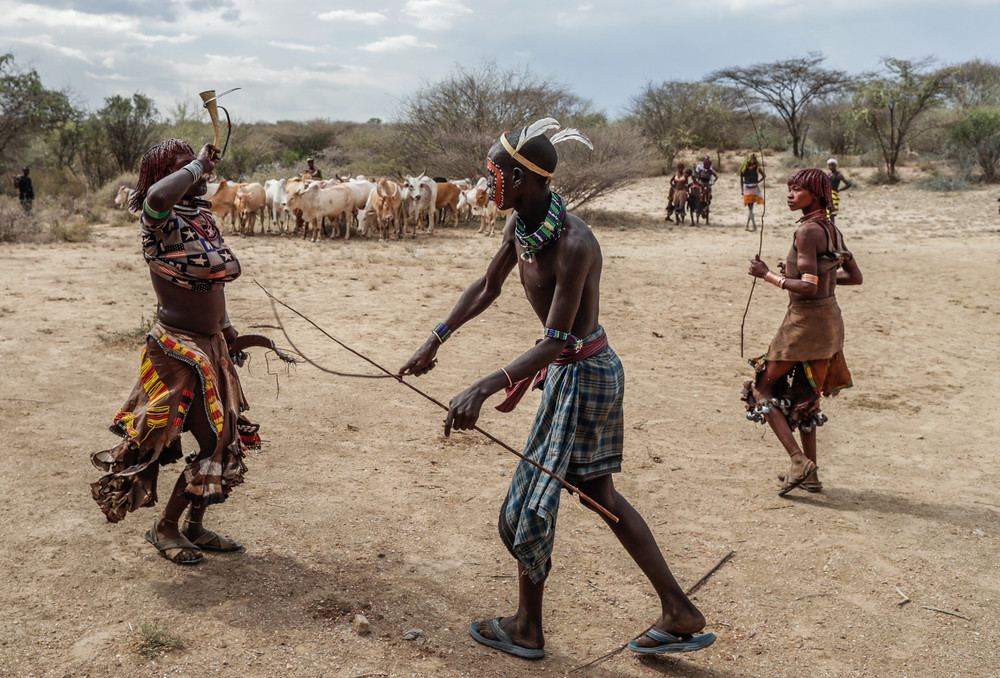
(678, 615)
(525, 626)
(763, 388)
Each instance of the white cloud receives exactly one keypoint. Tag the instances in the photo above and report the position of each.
(112, 77)
(293, 46)
(396, 43)
(435, 15)
(45, 42)
(369, 18)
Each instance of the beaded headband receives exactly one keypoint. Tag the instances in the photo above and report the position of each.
(535, 129)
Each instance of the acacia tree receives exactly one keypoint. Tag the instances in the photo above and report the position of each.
(27, 108)
(789, 87)
(976, 135)
(892, 103)
(447, 128)
(129, 125)
(675, 115)
(975, 84)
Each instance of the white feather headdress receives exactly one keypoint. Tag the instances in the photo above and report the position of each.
(537, 128)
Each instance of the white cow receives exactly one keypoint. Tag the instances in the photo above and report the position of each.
(362, 190)
(419, 198)
(276, 203)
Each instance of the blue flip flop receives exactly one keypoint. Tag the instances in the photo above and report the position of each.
(669, 643)
(504, 643)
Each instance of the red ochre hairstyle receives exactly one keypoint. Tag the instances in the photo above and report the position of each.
(816, 182)
(156, 165)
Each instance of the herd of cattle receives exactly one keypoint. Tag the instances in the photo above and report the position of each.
(383, 206)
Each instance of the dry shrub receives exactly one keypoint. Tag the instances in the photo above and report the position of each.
(130, 338)
(614, 220)
(48, 221)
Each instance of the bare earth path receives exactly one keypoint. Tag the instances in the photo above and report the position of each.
(358, 504)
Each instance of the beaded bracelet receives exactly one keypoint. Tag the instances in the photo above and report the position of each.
(153, 214)
(441, 331)
(558, 334)
(195, 168)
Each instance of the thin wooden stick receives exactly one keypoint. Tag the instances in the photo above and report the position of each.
(905, 600)
(763, 211)
(953, 614)
(571, 488)
(690, 591)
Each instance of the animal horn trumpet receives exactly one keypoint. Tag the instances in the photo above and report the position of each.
(209, 100)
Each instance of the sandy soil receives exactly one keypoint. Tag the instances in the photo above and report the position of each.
(358, 504)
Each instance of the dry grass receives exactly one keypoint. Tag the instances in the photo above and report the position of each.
(155, 639)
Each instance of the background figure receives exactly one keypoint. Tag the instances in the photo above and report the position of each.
(312, 172)
(25, 191)
(679, 179)
(751, 176)
(805, 359)
(836, 179)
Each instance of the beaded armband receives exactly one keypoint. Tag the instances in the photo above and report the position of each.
(441, 331)
(558, 334)
(153, 214)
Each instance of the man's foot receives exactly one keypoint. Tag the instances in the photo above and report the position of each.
(208, 540)
(172, 545)
(668, 643)
(678, 627)
(502, 634)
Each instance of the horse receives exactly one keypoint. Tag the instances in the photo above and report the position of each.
(698, 202)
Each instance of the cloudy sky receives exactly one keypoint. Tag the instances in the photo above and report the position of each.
(352, 60)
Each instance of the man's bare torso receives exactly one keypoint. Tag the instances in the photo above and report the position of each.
(539, 277)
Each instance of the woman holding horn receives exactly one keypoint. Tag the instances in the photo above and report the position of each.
(187, 381)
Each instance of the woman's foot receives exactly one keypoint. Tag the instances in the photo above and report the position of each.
(812, 483)
(801, 468)
(172, 545)
(208, 540)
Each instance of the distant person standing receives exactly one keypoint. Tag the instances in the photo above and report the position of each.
(677, 180)
(751, 177)
(25, 191)
(312, 172)
(836, 179)
(706, 175)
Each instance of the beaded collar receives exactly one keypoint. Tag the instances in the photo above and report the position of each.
(550, 229)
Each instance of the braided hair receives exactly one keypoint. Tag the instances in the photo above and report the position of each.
(816, 182)
(156, 165)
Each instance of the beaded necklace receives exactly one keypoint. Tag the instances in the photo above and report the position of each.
(550, 229)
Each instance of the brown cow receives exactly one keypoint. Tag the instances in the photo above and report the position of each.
(386, 200)
(250, 199)
(224, 203)
(447, 199)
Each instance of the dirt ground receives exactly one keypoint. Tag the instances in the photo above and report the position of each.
(358, 504)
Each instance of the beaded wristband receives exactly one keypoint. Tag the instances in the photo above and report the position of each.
(153, 214)
(557, 334)
(195, 168)
(441, 331)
